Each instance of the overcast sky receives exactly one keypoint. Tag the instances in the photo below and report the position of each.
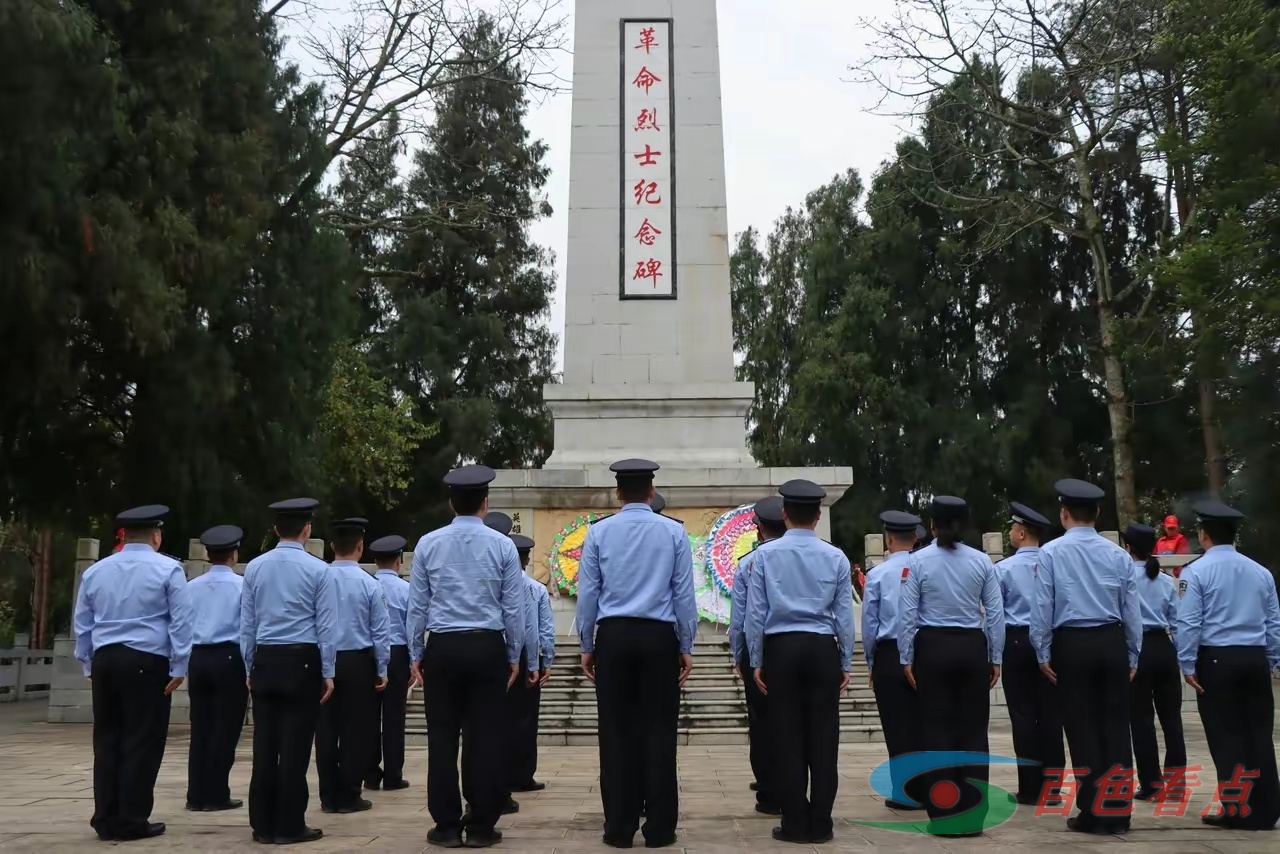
(792, 119)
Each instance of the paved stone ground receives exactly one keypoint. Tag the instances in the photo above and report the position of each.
(46, 798)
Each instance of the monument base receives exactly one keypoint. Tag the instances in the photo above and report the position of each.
(546, 503)
(696, 425)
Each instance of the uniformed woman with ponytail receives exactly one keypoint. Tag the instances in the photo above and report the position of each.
(951, 643)
(1157, 685)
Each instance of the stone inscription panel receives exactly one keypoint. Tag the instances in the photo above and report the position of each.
(647, 133)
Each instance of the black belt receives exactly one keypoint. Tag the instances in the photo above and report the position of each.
(1019, 629)
(220, 645)
(399, 646)
(368, 650)
(288, 647)
(1161, 631)
(1107, 626)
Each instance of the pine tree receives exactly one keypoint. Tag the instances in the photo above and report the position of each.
(468, 342)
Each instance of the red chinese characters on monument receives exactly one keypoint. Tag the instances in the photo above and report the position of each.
(651, 269)
(646, 80)
(648, 169)
(648, 234)
(648, 39)
(647, 120)
(648, 157)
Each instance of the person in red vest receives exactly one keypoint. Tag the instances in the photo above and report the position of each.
(1174, 542)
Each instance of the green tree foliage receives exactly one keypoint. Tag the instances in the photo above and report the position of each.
(463, 294)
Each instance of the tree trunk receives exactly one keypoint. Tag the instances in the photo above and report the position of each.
(1214, 457)
(1121, 423)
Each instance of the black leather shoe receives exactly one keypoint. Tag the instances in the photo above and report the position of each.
(393, 785)
(1146, 793)
(1076, 825)
(1219, 820)
(329, 808)
(531, 786)
(820, 840)
(264, 840)
(231, 804)
(308, 834)
(190, 807)
(360, 805)
(444, 838)
(372, 785)
(153, 829)
(510, 807)
(486, 839)
(660, 843)
(755, 787)
(782, 836)
(768, 809)
(900, 805)
(615, 842)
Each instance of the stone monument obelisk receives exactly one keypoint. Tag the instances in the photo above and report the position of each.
(648, 341)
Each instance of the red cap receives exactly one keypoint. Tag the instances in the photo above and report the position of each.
(1171, 521)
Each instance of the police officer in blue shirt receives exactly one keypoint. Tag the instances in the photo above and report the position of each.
(541, 649)
(769, 526)
(1031, 697)
(133, 637)
(1229, 645)
(800, 634)
(637, 618)
(1086, 627)
(951, 643)
(896, 701)
(288, 636)
(1157, 686)
(215, 677)
(348, 722)
(465, 589)
(518, 695)
(388, 749)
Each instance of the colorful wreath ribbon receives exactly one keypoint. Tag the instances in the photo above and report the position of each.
(732, 536)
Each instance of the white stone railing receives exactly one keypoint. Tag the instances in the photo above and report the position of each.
(25, 674)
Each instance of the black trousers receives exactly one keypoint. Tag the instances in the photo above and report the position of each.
(899, 708)
(464, 684)
(1156, 690)
(1034, 714)
(215, 684)
(287, 686)
(953, 681)
(1093, 687)
(130, 725)
(638, 704)
(758, 736)
(802, 674)
(1238, 712)
(347, 728)
(522, 746)
(388, 744)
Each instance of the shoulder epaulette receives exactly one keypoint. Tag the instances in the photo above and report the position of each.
(600, 519)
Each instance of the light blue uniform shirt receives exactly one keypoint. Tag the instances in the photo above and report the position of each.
(800, 584)
(1017, 576)
(1157, 599)
(950, 588)
(215, 602)
(1084, 580)
(396, 592)
(738, 605)
(880, 603)
(544, 624)
(466, 576)
(288, 597)
(1227, 600)
(362, 612)
(638, 564)
(138, 598)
